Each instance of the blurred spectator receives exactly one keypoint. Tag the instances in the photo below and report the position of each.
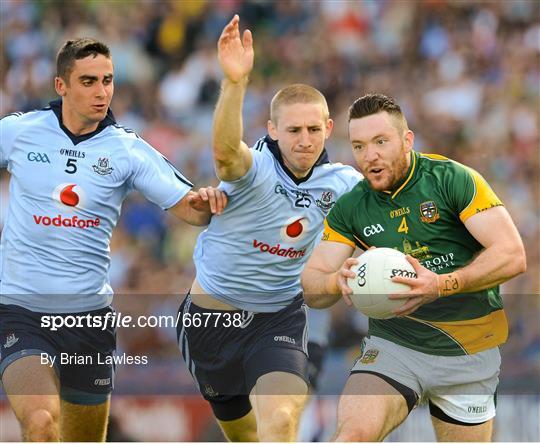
(468, 74)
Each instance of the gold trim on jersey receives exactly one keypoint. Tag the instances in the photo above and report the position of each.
(364, 245)
(430, 324)
(332, 235)
(483, 199)
(474, 335)
(435, 157)
(409, 177)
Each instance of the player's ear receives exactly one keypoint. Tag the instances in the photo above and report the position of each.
(329, 126)
(272, 130)
(60, 86)
(409, 141)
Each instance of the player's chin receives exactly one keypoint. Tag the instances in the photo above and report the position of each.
(96, 117)
(306, 161)
(378, 185)
(98, 113)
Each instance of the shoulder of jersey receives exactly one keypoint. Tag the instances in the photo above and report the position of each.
(440, 164)
(261, 150)
(128, 138)
(124, 131)
(17, 123)
(339, 168)
(259, 145)
(356, 193)
(339, 173)
(26, 117)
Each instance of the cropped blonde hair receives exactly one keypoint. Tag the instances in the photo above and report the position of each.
(297, 93)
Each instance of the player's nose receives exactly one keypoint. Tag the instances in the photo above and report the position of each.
(371, 153)
(305, 140)
(100, 90)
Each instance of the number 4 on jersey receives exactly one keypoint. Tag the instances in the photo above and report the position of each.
(403, 227)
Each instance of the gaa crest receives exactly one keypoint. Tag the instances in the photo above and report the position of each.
(326, 201)
(102, 167)
(369, 356)
(429, 212)
(209, 391)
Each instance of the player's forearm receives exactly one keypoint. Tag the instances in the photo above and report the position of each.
(183, 210)
(491, 267)
(228, 127)
(321, 289)
(198, 218)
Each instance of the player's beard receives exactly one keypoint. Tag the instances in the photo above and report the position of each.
(395, 172)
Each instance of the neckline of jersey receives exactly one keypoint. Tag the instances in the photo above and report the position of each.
(406, 180)
(56, 107)
(274, 149)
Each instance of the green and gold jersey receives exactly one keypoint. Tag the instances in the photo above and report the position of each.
(424, 217)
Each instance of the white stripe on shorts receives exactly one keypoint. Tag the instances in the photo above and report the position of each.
(304, 333)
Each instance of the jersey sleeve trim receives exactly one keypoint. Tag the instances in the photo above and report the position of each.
(332, 235)
(363, 245)
(177, 173)
(177, 199)
(435, 157)
(483, 198)
(259, 145)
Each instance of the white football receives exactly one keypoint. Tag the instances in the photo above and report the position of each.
(373, 282)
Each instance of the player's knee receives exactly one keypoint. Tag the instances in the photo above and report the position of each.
(41, 425)
(357, 431)
(279, 425)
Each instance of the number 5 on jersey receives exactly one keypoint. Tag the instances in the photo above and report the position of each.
(71, 166)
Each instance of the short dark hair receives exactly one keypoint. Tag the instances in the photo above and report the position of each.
(376, 103)
(75, 50)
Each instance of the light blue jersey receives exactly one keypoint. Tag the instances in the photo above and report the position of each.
(252, 255)
(66, 193)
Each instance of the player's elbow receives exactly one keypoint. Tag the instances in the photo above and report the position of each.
(223, 168)
(228, 170)
(516, 260)
(309, 298)
(312, 301)
(520, 260)
(315, 284)
(225, 174)
(312, 297)
(319, 303)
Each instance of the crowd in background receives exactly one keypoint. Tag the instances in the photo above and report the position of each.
(467, 75)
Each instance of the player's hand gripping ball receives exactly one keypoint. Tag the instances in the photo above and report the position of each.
(373, 282)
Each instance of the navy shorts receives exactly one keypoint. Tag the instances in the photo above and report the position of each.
(315, 364)
(81, 355)
(228, 353)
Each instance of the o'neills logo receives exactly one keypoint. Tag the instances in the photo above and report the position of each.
(278, 251)
(70, 222)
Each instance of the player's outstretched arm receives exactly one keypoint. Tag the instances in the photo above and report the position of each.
(232, 157)
(324, 278)
(197, 208)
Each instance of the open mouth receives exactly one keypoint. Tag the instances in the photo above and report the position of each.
(376, 171)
